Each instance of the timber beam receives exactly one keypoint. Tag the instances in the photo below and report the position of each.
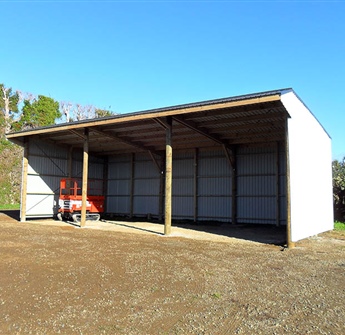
(137, 145)
(202, 131)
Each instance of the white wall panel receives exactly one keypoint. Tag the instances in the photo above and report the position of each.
(47, 165)
(310, 168)
(43, 184)
(42, 205)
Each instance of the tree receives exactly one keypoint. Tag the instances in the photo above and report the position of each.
(338, 168)
(40, 112)
(8, 106)
(77, 112)
(67, 108)
(102, 112)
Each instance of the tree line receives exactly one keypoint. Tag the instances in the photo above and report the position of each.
(22, 111)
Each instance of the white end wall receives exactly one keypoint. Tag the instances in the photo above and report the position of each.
(310, 167)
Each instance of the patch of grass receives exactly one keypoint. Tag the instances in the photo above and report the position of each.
(339, 225)
(10, 174)
(216, 295)
(10, 207)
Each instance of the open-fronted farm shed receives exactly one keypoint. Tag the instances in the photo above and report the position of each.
(259, 158)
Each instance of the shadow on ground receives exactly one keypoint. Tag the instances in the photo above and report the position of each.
(11, 213)
(262, 233)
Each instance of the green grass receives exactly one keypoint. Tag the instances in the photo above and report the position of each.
(9, 207)
(339, 225)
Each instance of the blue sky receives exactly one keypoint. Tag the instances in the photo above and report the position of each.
(134, 55)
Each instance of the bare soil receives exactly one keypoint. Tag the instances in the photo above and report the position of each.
(61, 279)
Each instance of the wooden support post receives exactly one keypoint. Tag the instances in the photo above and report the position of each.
(196, 183)
(234, 188)
(277, 185)
(233, 163)
(168, 177)
(24, 182)
(131, 196)
(289, 242)
(85, 177)
(105, 182)
(161, 189)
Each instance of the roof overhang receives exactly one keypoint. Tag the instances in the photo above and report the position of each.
(247, 119)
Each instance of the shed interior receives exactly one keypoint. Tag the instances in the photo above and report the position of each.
(228, 161)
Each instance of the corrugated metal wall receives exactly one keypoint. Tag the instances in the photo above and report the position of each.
(202, 185)
(261, 184)
(214, 186)
(183, 186)
(133, 185)
(119, 185)
(146, 186)
(47, 165)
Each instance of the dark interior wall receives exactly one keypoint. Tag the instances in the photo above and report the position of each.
(202, 185)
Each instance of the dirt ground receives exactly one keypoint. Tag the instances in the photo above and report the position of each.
(121, 278)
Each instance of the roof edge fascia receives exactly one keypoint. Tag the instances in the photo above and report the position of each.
(240, 100)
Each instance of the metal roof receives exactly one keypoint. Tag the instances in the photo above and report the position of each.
(252, 118)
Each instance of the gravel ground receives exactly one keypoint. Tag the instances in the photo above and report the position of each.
(66, 280)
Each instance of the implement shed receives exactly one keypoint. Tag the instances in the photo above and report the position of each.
(260, 158)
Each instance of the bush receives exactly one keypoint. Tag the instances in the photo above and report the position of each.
(338, 168)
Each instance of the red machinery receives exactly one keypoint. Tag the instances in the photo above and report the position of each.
(70, 200)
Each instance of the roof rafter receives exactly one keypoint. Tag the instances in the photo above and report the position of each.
(201, 130)
(137, 145)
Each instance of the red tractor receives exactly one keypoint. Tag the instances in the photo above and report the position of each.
(70, 200)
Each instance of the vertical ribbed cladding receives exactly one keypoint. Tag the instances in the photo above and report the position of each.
(119, 184)
(183, 186)
(214, 186)
(47, 165)
(141, 177)
(282, 183)
(257, 191)
(95, 166)
(146, 186)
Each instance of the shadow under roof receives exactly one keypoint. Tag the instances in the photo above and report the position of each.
(246, 119)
